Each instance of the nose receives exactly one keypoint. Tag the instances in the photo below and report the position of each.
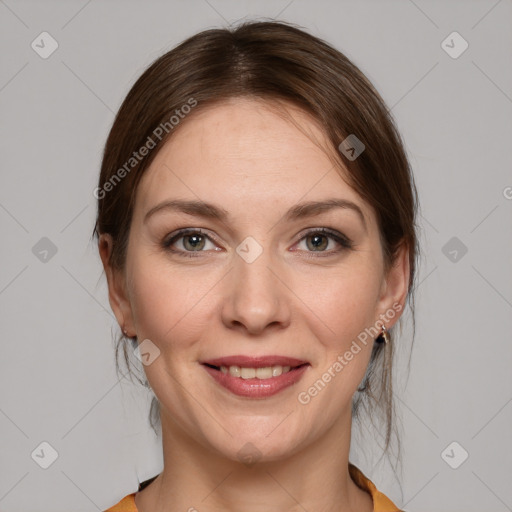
(256, 298)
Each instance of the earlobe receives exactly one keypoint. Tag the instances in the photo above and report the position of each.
(396, 285)
(117, 295)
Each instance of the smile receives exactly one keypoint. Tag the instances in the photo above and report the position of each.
(255, 373)
(256, 377)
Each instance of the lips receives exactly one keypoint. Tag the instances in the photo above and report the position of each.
(254, 362)
(256, 377)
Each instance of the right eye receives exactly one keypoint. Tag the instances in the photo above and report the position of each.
(191, 240)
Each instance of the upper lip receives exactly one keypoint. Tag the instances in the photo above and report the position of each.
(255, 362)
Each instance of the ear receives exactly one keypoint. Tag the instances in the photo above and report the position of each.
(395, 286)
(117, 296)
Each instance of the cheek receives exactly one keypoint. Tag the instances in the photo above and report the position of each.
(341, 306)
(345, 301)
(168, 304)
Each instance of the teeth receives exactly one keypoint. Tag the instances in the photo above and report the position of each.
(276, 371)
(258, 373)
(247, 373)
(264, 373)
(234, 371)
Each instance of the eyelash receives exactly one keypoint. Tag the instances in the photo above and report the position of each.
(342, 240)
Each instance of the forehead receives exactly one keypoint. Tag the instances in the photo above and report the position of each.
(246, 151)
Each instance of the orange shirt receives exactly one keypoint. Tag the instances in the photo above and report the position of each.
(381, 503)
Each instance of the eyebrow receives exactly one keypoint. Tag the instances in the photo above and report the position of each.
(296, 212)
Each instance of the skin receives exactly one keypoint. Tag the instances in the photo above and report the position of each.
(292, 301)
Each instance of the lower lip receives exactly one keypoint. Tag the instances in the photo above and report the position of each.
(257, 388)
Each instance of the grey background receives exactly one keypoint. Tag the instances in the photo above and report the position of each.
(57, 377)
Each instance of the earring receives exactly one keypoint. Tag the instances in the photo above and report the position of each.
(124, 332)
(383, 336)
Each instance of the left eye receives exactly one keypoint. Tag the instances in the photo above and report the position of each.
(318, 241)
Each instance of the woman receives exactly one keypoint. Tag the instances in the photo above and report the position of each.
(256, 223)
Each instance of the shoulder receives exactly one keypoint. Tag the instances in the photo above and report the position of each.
(381, 503)
(127, 504)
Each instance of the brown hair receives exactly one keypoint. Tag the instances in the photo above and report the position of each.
(269, 61)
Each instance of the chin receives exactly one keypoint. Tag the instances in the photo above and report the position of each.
(254, 445)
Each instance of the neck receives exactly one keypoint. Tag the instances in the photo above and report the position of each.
(197, 479)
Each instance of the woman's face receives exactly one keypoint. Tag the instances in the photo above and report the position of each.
(259, 281)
